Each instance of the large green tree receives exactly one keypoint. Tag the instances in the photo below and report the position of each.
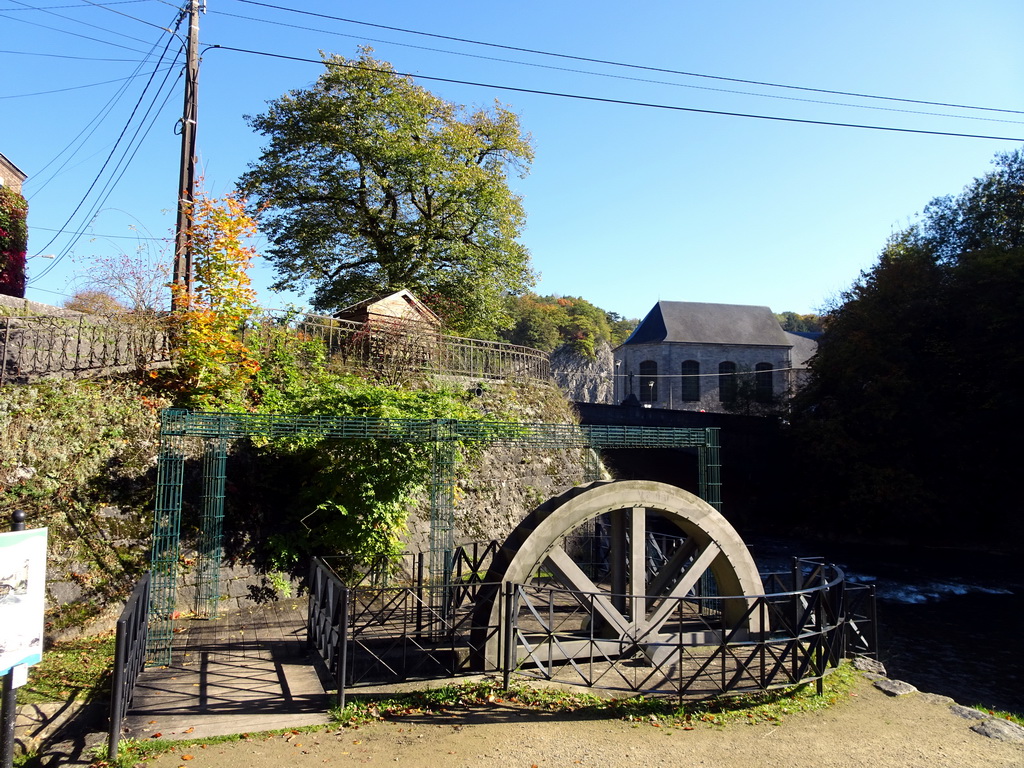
(914, 404)
(369, 183)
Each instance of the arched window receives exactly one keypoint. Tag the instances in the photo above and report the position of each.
(727, 382)
(691, 381)
(648, 382)
(764, 389)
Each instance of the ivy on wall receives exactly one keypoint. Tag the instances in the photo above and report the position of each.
(13, 242)
(79, 458)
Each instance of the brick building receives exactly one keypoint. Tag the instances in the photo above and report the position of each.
(11, 176)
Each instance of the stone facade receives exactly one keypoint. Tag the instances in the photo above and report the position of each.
(706, 357)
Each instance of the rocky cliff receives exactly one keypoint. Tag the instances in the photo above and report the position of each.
(584, 379)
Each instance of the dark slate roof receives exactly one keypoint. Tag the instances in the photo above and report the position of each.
(698, 323)
(805, 345)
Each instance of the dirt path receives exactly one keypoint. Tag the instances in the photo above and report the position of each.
(870, 728)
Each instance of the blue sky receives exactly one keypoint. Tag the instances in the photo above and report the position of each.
(627, 204)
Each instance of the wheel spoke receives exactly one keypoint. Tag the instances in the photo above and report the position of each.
(588, 593)
(671, 570)
(626, 607)
(638, 564)
(681, 589)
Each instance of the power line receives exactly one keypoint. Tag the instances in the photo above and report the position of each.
(624, 102)
(122, 166)
(87, 24)
(633, 66)
(55, 293)
(82, 135)
(120, 169)
(103, 236)
(73, 87)
(106, 164)
(66, 56)
(73, 34)
(621, 77)
(76, 6)
(126, 15)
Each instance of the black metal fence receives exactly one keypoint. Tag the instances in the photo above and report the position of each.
(810, 619)
(85, 345)
(129, 659)
(327, 621)
(399, 347)
(33, 347)
(808, 627)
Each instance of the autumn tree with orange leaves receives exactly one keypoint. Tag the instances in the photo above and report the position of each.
(214, 367)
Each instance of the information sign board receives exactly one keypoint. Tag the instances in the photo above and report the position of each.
(22, 597)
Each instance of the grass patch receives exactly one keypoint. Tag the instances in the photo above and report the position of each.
(1013, 717)
(132, 752)
(74, 669)
(768, 706)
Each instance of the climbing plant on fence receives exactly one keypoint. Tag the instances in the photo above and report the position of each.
(429, 443)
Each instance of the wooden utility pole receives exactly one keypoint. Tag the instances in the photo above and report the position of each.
(182, 273)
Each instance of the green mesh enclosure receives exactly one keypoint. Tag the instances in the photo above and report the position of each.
(214, 431)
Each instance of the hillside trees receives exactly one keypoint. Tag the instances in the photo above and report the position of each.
(547, 322)
(914, 395)
(796, 323)
(369, 184)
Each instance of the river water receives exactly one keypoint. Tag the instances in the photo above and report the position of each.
(950, 622)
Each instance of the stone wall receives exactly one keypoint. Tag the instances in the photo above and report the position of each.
(11, 305)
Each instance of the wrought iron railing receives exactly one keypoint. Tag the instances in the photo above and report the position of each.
(85, 345)
(327, 621)
(398, 633)
(806, 630)
(812, 620)
(389, 348)
(129, 659)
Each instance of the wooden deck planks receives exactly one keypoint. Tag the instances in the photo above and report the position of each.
(244, 672)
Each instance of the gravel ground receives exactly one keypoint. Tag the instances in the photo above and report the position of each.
(870, 728)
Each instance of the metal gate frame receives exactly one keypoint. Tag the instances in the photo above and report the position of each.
(216, 430)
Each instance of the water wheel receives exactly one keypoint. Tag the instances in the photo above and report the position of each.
(630, 595)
